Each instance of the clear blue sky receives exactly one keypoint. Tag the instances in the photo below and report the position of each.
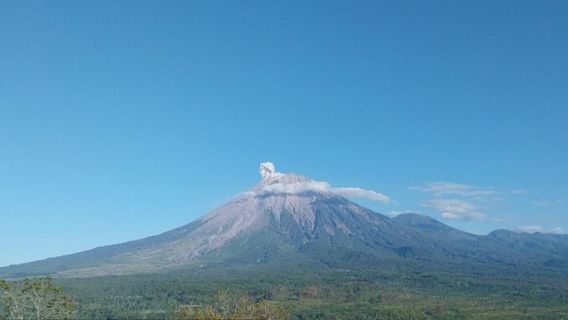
(123, 119)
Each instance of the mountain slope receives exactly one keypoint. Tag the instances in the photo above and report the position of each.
(290, 219)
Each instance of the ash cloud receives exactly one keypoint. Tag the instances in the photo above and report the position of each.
(267, 169)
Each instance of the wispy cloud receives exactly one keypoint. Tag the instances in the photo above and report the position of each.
(454, 209)
(324, 187)
(539, 229)
(440, 189)
(455, 189)
(356, 192)
(547, 203)
(276, 182)
(458, 201)
(394, 214)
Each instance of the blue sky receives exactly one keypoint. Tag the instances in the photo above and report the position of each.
(120, 120)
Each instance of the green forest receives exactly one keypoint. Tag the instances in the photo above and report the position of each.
(334, 294)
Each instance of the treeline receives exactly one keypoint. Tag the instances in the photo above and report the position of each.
(41, 299)
(300, 296)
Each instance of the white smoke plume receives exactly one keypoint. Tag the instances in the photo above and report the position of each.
(267, 169)
(299, 185)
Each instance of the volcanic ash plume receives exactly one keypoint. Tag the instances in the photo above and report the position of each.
(267, 169)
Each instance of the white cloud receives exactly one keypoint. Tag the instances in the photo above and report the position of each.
(556, 231)
(324, 187)
(295, 184)
(356, 192)
(456, 189)
(394, 214)
(547, 203)
(457, 201)
(541, 204)
(440, 189)
(539, 229)
(530, 229)
(296, 187)
(453, 209)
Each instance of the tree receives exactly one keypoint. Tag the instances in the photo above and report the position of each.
(232, 307)
(36, 299)
(185, 312)
(227, 304)
(263, 310)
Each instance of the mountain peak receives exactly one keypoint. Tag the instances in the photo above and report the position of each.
(288, 178)
(270, 176)
(288, 217)
(274, 182)
(291, 217)
(424, 223)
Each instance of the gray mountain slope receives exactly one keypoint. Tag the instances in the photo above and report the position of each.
(281, 221)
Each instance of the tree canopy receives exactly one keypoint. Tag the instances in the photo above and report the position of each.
(36, 299)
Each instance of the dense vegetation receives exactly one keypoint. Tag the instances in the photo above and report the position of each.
(409, 267)
(34, 299)
(372, 294)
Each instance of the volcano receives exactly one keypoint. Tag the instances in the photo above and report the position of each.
(292, 220)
